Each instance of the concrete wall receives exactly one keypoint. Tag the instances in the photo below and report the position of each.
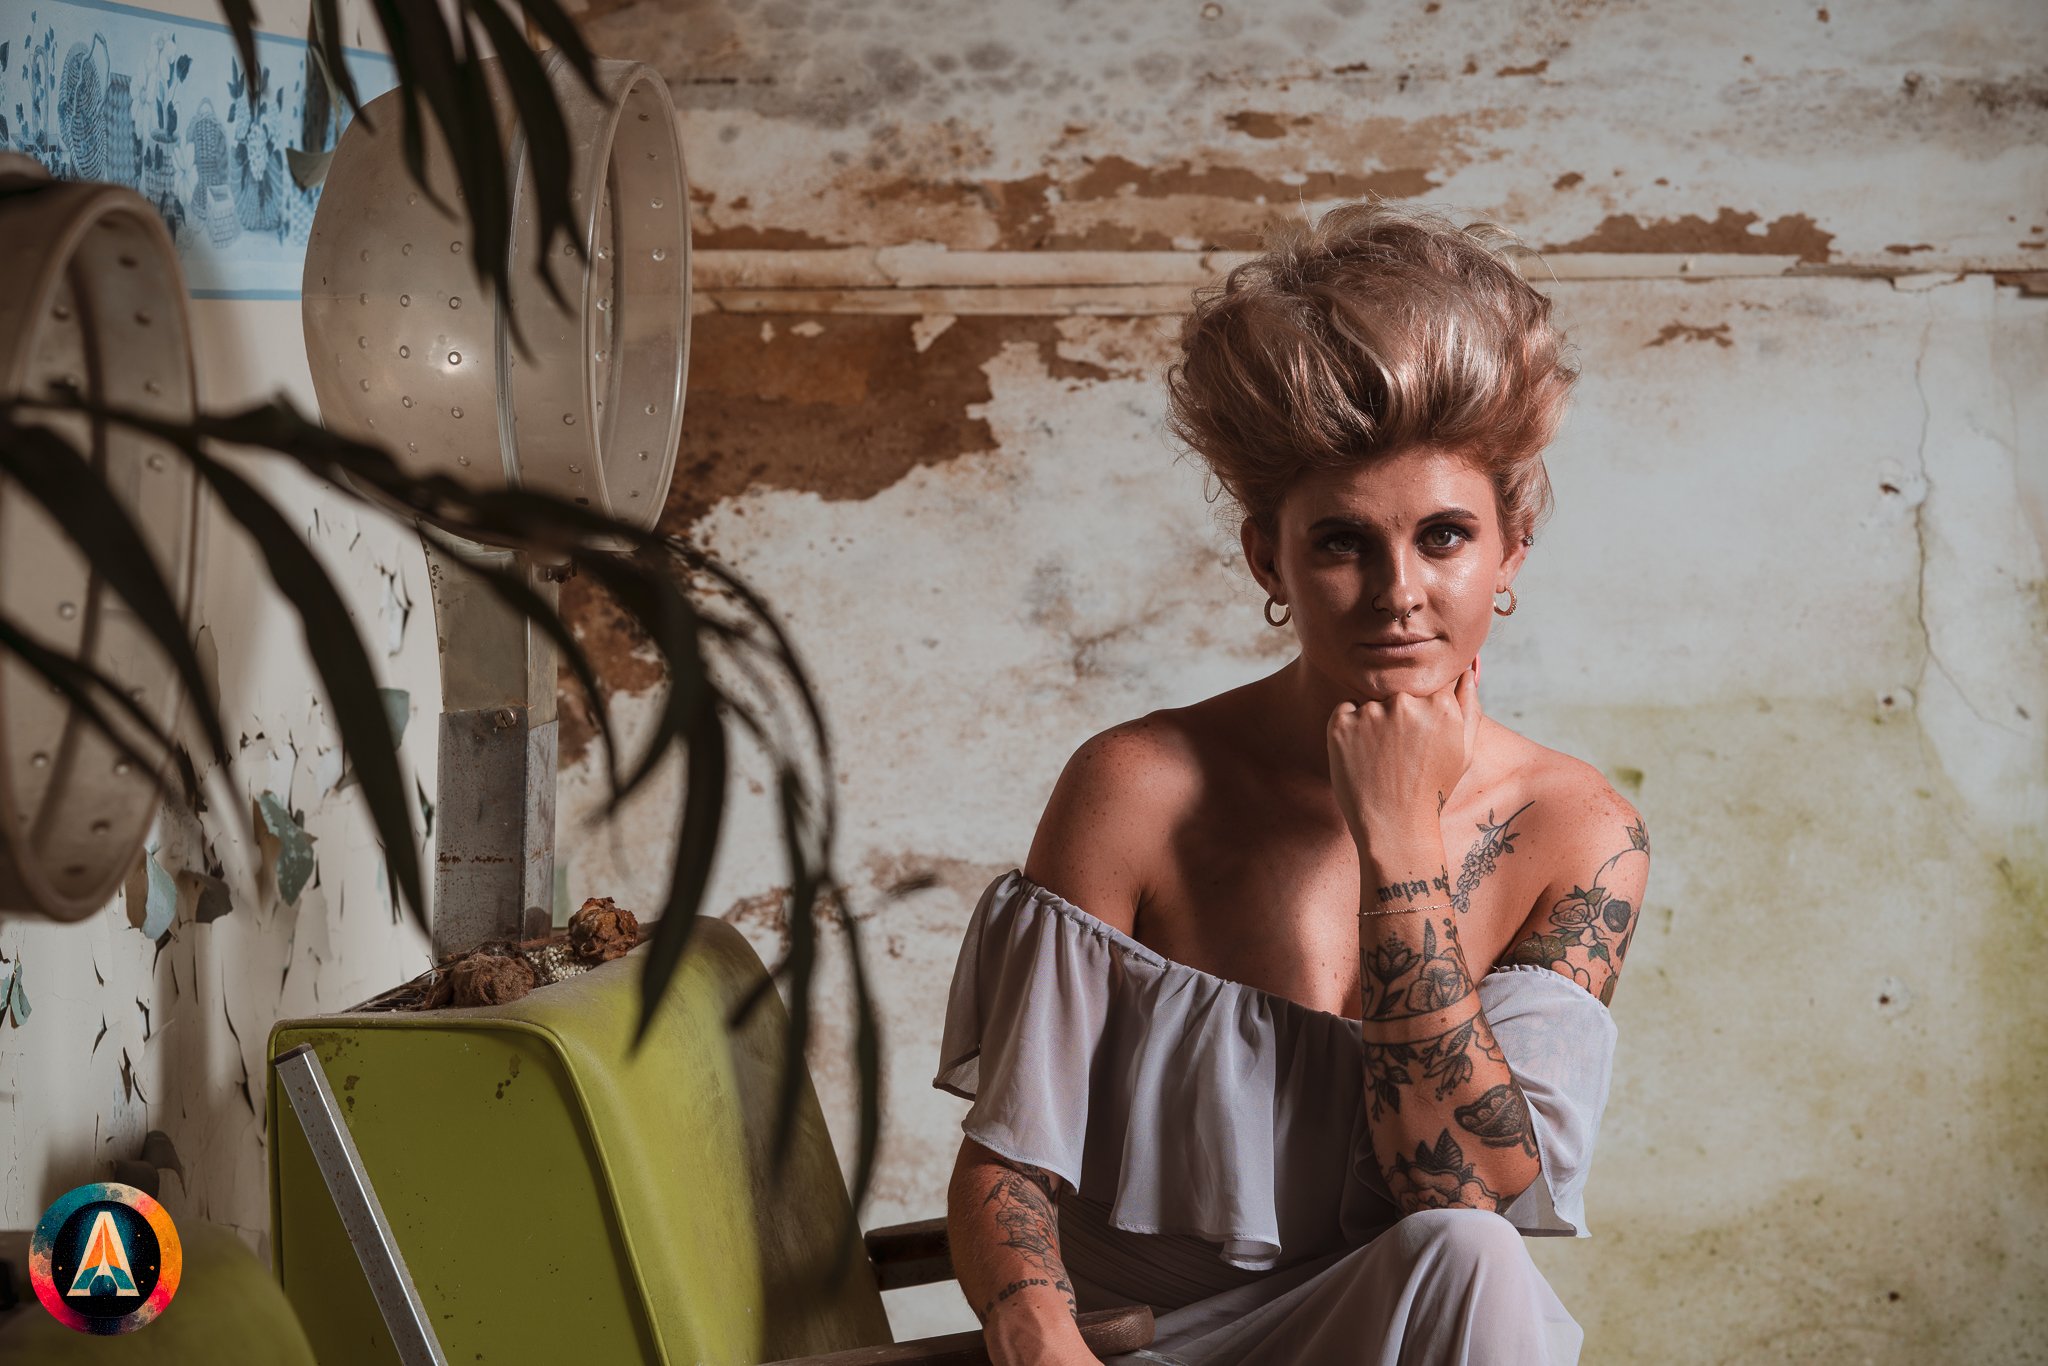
(1792, 600)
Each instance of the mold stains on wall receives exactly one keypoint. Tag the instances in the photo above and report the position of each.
(1792, 234)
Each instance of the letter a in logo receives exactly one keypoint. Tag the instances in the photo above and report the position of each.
(105, 1255)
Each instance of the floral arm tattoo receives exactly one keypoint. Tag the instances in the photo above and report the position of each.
(1586, 932)
(1438, 1089)
(1022, 1201)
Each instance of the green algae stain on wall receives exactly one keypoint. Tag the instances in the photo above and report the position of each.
(1821, 1142)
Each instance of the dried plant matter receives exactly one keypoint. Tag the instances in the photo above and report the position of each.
(489, 979)
(602, 930)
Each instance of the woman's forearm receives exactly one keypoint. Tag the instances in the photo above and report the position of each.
(1450, 1126)
(1002, 1226)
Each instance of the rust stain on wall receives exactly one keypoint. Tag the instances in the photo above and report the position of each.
(1792, 234)
(768, 910)
(920, 183)
(620, 654)
(1258, 124)
(1718, 334)
(755, 239)
(838, 405)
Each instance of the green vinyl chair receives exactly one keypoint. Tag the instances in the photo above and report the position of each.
(557, 1197)
(228, 1312)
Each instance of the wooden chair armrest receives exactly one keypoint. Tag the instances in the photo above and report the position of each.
(916, 1253)
(1106, 1331)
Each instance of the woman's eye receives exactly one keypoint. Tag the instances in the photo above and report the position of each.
(1458, 532)
(1330, 541)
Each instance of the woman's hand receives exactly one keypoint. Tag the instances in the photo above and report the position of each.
(1393, 764)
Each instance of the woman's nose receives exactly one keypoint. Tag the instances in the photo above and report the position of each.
(1401, 589)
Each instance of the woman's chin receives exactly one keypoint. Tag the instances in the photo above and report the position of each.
(1402, 675)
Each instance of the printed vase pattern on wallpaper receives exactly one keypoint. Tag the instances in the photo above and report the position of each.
(160, 103)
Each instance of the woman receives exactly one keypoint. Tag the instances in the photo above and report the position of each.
(1297, 1012)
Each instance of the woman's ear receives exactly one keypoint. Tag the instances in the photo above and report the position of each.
(1259, 554)
(1511, 563)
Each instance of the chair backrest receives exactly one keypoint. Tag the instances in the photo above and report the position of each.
(558, 1197)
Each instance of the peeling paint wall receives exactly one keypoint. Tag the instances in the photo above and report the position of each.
(1792, 601)
(127, 1034)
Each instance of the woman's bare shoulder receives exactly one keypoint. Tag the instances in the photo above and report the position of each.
(1595, 854)
(1573, 791)
(1105, 822)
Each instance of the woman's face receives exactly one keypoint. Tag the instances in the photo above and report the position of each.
(1417, 533)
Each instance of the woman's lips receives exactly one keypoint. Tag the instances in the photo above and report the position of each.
(1402, 651)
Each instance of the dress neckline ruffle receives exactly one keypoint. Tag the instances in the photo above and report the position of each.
(1185, 1102)
(1283, 1004)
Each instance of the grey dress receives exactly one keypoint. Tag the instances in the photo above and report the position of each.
(1217, 1157)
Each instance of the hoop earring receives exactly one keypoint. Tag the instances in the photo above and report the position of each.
(1286, 613)
(1512, 604)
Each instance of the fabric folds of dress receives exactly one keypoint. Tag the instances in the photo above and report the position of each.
(1188, 1103)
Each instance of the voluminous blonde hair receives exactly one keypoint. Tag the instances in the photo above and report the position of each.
(1376, 330)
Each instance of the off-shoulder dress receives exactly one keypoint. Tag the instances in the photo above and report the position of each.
(1217, 1159)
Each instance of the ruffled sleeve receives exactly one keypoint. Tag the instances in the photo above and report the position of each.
(1024, 1016)
(1559, 1042)
(1186, 1103)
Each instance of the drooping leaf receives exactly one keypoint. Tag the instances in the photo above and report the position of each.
(649, 574)
(340, 659)
(696, 843)
(79, 682)
(74, 495)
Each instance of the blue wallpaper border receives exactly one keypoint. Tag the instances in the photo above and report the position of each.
(100, 90)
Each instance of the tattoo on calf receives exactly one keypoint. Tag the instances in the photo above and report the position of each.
(1438, 1178)
(1022, 1197)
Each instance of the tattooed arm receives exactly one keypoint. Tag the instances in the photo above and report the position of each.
(1583, 931)
(1449, 1124)
(1002, 1226)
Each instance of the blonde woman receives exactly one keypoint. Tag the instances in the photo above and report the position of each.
(1294, 1022)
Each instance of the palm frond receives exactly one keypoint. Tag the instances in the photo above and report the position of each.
(650, 576)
